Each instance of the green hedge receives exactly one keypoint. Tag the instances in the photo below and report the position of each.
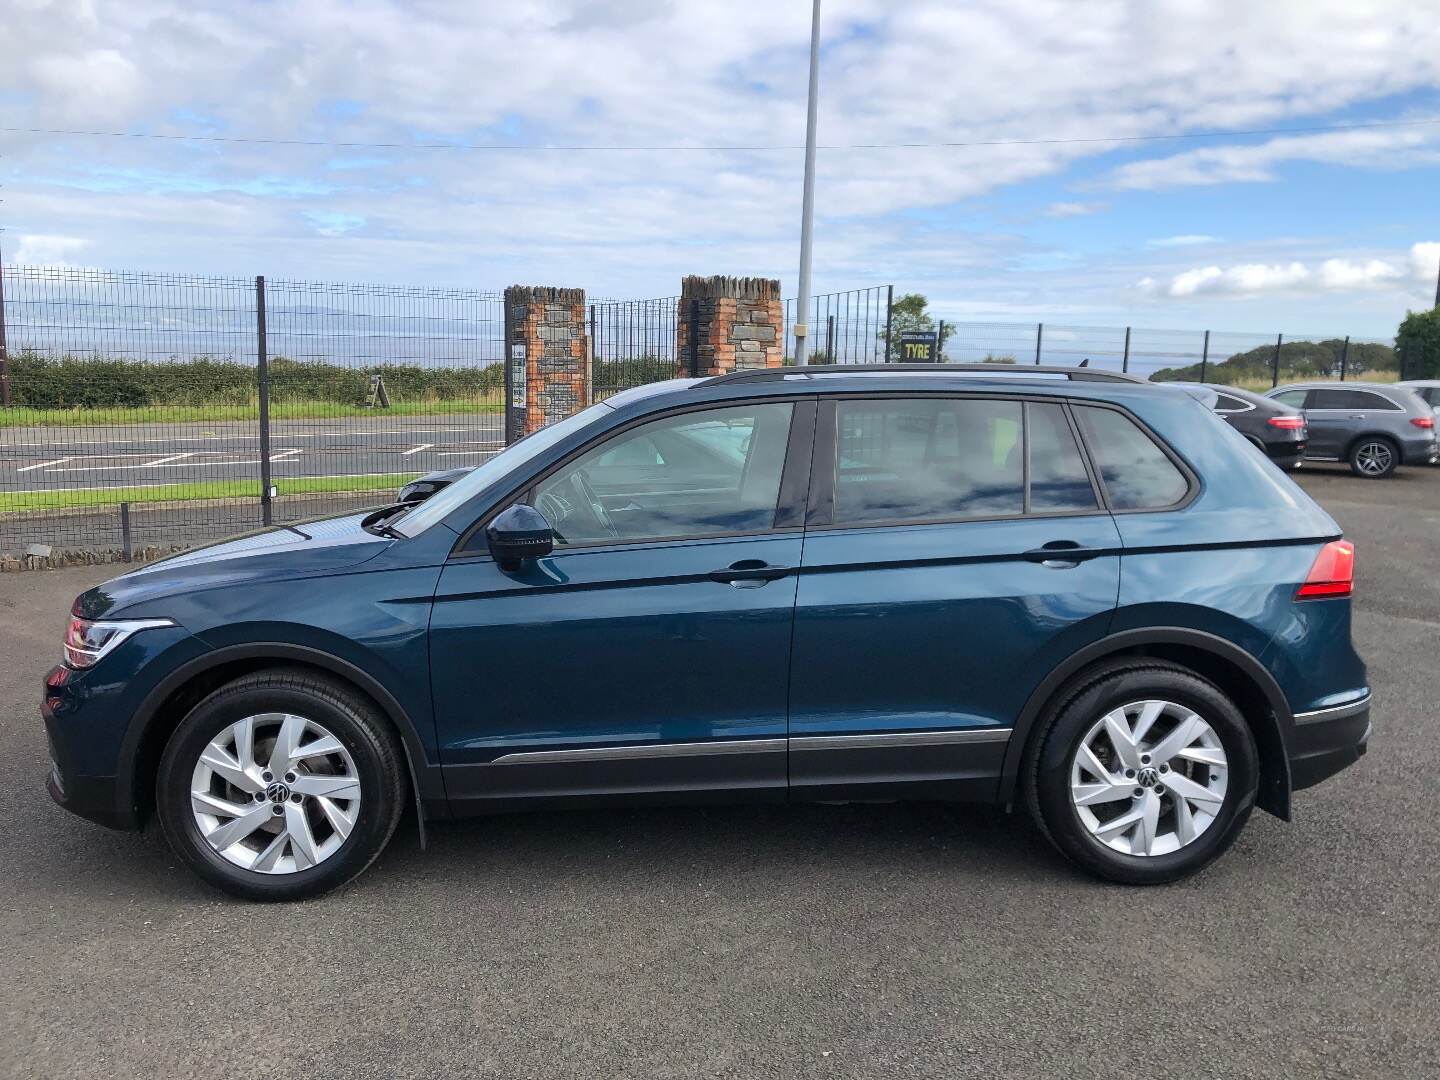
(62, 382)
(1298, 360)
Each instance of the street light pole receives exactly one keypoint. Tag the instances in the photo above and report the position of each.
(807, 209)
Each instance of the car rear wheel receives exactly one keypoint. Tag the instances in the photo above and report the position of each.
(280, 786)
(1374, 458)
(1145, 774)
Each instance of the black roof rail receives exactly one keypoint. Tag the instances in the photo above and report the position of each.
(1076, 374)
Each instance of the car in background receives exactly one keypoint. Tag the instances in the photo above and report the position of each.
(1428, 391)
(1275, 429)
(1373, 427)
(422, 487)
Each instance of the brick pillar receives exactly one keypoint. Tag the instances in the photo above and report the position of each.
(548, 326)
(729, 324)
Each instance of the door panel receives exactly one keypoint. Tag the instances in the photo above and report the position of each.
(930, 630)
(598, 648)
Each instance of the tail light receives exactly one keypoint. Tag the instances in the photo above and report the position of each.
(1423, 421)
(1287, 423)
(1332, 574)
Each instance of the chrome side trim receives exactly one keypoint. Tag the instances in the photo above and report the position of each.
(639, 753)
(901, 738)
(1339, 712)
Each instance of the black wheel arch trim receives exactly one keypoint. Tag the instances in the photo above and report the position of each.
(1279, 721)
(426, 781)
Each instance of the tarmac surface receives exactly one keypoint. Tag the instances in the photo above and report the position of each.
(849, 941)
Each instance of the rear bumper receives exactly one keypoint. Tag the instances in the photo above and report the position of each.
(1420, 453)
(1327, 741)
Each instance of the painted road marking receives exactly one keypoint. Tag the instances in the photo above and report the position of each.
(417, 449)
(283, 455)
(128, 487)
(256, 435)
(42, 464)
(163, 460)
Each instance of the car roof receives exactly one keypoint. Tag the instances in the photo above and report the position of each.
(1418, 382)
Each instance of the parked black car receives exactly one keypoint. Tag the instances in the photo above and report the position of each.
(422, 487)
(1276, 429)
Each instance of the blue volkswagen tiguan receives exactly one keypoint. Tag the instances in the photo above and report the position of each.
(1050, 587)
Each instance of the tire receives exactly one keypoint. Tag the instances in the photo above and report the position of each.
(1215, 821)
(317, 840)
(1374, 457)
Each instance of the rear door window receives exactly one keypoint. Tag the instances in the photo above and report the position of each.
(1294, 398)
(1354, 400)
(912, 459)
(1137, 474)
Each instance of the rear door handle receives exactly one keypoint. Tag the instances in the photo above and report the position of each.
(1060, 554)
(749, 573)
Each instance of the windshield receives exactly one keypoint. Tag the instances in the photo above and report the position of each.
(513, 456)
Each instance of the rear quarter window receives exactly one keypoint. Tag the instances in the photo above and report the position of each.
(1137, 474)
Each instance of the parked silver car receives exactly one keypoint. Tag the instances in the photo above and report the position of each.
(1429, 392)
(1375, 427)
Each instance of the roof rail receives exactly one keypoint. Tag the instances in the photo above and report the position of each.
(1076, 374)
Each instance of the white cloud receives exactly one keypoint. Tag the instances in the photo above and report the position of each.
(1185, 240)
(1374, 149)
(1071, 209)
(1334, 275)
(48, 250)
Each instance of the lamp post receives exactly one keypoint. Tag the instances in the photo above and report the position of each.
(807, 208)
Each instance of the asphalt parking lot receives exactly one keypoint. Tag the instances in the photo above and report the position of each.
(852, 941)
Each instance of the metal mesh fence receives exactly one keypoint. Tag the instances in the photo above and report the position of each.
(130, 403)
(134, 414)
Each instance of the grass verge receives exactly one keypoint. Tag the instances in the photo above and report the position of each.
(59, 499)
(26, 416)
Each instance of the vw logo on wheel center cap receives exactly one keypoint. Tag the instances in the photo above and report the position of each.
(277, 792)
(1149, 776)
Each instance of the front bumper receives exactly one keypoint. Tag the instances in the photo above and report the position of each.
(92, 797)
(95, 797)
(1327, 741)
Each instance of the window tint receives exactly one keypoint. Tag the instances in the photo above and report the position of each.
(694, 474)
(1294, 398)
(1358, 400)
(1058, 480)
(1226, 403)
(921, 458)
(1137, 474)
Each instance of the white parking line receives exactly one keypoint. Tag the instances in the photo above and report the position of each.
(42, 464)
(256, 435)
(163, 460)
(283, 455)
(417, 449)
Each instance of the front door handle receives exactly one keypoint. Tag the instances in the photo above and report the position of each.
(749, 573)
(1060, 554)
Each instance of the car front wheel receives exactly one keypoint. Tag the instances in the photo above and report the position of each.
(1145, 774)
(280, 786)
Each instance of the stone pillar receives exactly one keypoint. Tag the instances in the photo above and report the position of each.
(548, 341)
(728, 324)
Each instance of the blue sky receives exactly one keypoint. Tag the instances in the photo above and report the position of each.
(1307, 233)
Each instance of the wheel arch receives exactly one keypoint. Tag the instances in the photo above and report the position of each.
(173, 698)
(1377, 433)
(1235, 671)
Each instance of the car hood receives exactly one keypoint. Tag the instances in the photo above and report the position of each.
(302, 550)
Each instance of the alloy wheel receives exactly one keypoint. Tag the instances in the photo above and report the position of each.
(1149, 778)
(1374, 458)
(275, 793)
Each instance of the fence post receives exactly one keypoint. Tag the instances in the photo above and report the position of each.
(1275, 364)
(940, 343)
(1125, 360)
(126, 545)
(1205, 356)
(262, 371)
(1039, 338)
(1344, 356)
(4, 354)
(830, 339)
(889, 314)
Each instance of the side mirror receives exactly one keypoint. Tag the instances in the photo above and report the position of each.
(519, 533)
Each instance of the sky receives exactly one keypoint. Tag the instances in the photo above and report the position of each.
(1303, 231)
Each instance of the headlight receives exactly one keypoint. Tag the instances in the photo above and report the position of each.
(87, 641)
